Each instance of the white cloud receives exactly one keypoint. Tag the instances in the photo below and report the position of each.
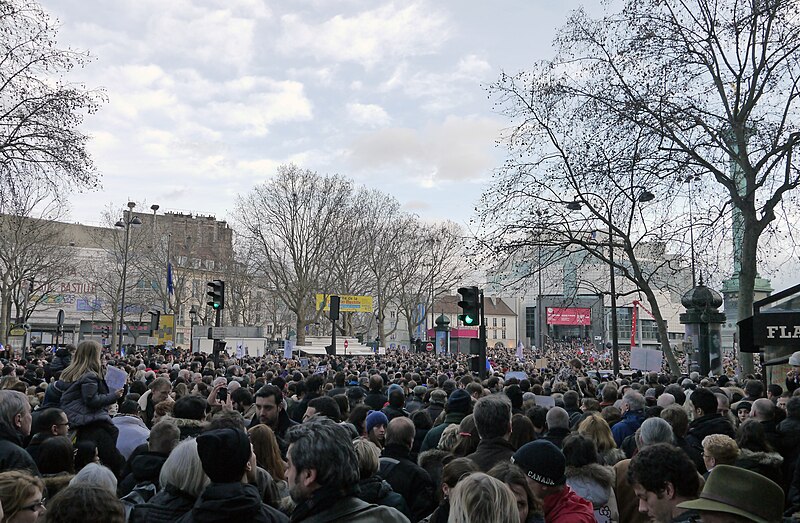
(370, 115)
(456, 149)
(388, 32)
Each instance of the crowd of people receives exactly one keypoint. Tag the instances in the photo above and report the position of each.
(397, 437)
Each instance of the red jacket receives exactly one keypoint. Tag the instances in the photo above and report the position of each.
(567, 507)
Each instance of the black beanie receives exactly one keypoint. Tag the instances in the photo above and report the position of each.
(459, 401)
(224, 454)
(541, 461)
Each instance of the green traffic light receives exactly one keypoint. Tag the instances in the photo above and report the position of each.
(216, 305)
(468, 320)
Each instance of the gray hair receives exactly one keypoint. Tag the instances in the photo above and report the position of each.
(493, 416)
(323, 445)
(12, 402)
(96, 475)
(654, 430)
(183, 469)
(557, 418)
(400, 431)
(634, 400)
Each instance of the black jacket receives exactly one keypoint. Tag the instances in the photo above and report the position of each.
(377, 491)
(34, 446)
(375, 400)
(12, 455)
(490, 452)
(232, 502)
(556, 436)
(394, 412)
(145, 468)
(409, 480)
(165, 507)
(709, 424)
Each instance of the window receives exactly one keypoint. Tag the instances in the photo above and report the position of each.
(196, 263)
(210, 265)
(494, 322)
(504, 334)
(649, 330)
(181, 261)
(503, 323)
(269, 329)
(530, 322)
(392, 314)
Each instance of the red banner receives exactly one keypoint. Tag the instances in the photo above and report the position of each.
(569, 316)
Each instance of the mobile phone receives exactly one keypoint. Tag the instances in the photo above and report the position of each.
(222, 394)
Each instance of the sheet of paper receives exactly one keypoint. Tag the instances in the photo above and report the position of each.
(646, 359)
(545, 401)
(115, 378)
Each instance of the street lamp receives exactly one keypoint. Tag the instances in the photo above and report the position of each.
(192, 323)
(688, 179)
(128, 220)
(575, 205)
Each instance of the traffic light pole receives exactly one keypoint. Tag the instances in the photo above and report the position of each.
(482, 336)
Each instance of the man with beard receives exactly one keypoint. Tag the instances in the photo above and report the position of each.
(271, 411)
(323, 476)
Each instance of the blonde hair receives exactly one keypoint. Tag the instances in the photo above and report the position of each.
(184, 470)
(480, 498)
(16, 486)
(722, 448)
(86, 359)
(368, 455)
(449, 438)
(595, 427)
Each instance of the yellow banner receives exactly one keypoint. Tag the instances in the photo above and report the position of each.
(348, 303)
(166, 328)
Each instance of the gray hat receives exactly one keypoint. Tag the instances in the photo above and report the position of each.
(794, 359)
(438, 397)
(420, 390)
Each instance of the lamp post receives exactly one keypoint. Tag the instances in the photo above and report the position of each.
(688, 179)
(192, 323)
(575, 205)
(128, 220)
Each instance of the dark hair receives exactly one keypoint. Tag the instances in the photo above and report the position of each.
(656, 465)
(677, 392)
(227, 419)
(326, 406)
(190, 407)
(793, 407)
(579, 450)
(44, 419)
(85, 504)
(677, 419)
(522, 430)
(314, 382)
(705, 400)
(358, 418)
(268, 391)
(242, 396)
(164, 436)
(56, 455)
(775, 389)
(129, 407)
(85, 451)
(344, 405)
(754, 389)
(325, 446)
(571, 399)
(422, 420)
(538, 416)
(492, 416)
(456, 470)
(751, 436)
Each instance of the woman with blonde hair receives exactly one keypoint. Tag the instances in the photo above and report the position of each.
(21, 497)
(85, 401)
(480, 498)
(595, 427)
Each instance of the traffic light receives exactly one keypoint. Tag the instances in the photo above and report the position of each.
(333, 313)
(470, 306)
(217, 294)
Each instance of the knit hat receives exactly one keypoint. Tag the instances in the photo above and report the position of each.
(375, 418)
(438, 397)
(794, 359)
(459, 401)
(420, 390)
(734, 490)
(393, 386)
(224, 454)
(541, 461)
(744, 405)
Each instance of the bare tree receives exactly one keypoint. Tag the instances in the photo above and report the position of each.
(40, 113)
(289, 223)
(716, 83)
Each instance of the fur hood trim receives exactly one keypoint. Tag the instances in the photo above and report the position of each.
(769, 459)
(431, 456)
(601, 474)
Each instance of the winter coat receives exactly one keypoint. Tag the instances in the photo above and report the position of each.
(378, 492)
(375, 399)
(414, 404)
(595, 483)
(408, 479)
(224, 502)
(132, 433)
(556, 436)
(394, 412)
(165, 507)
(627, 426)
(567, 507)
(490, 452)
(35, 444)
(86, 400)
(768, 464)
(333, 507)
(55, 483)
(627, 502)
(790, 446)
(419, 438)
(435, 434)
(189, 428)
(52, 394)
(145, 468)
(434, 410)
(610, 457)
(12, 455)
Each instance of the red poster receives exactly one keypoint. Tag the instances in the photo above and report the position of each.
(569, 316)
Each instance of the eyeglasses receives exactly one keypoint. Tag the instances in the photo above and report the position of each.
(36, 507)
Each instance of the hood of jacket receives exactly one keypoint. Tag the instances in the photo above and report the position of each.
(767, 459)
(431, 457)
(187, 423)
(373, 489)
(592, 482)
(711, 424)
(143, 400)
(227, 502)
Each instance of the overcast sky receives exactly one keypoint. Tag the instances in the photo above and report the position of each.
(206, 98)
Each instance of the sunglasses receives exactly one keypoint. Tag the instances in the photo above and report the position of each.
(35, 507)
